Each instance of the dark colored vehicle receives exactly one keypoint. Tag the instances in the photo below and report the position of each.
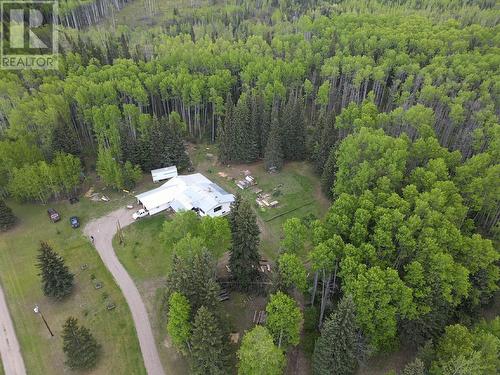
(75, 223)
(73, 200)
(53, 215)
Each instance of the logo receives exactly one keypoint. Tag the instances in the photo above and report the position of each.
(29, 34)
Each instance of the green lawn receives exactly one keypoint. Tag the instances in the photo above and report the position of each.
(18, 275)
(296, 187)
(142, 254)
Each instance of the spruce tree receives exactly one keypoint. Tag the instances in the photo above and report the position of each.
(57, 280)
(79, 346)
(339, 348)
(64, 139)
(225, 133)
(248, 146)
(7, 218)
(298, 132)
(287, 123)
(244, 253)
(239, 125)
(273, 155)
(256, 104)
(208, 345)
(194, 277)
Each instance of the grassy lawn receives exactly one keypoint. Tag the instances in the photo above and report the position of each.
(148, 261)
(296, 188)
(19, 277)
(142, 254)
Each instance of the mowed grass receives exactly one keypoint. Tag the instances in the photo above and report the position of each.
(19, 277)
(295, 187)
(143, 254)
(148, 262)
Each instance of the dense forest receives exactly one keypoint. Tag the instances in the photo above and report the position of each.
(396, 104)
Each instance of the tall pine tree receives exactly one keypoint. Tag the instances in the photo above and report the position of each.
(65, 139)
(57, 280)
(248, 133)
(293, 130)
(225, 133)
(7, 218)
(209, 346)
(244, 255)
(79, 346)
(273, 155)
(194, 277)
(166, 145)
(339, 348)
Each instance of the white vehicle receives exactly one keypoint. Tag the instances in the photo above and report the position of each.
(141, 213)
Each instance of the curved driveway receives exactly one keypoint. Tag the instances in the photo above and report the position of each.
(10, 351)
(103, 230)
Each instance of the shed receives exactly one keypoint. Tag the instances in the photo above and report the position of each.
(164, 173)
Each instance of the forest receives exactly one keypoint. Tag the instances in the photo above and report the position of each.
(395, 105)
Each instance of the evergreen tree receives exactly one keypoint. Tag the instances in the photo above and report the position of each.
(265, 125)
(339, 348)
(194, 277)
(273, 155)
(323, 141)
(64, 139)
(208, 345)
(293, 130)
(328, 175)
(225, 133)
(257, 120)
(57, 280)
(79, 345)
(248, 145)
(166, 146)
(244, 252)
(7, 218)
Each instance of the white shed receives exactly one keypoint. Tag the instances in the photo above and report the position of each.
(164, 173)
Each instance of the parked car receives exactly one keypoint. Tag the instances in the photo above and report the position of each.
(73, 200)
(74, 221)
(141, 213)
(53, 215)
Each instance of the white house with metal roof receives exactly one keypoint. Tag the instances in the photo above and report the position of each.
(188, 192)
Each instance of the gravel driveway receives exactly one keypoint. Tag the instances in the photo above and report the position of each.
(10, 351)
(103, 230)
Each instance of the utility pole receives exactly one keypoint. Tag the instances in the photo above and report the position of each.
(37, 311)
(120, 233)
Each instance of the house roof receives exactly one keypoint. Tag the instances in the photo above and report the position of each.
(186, 192)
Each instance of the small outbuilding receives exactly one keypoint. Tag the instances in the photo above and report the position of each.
(164, 173)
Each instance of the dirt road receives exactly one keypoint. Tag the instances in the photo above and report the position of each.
(10, 351)
(103, 230)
